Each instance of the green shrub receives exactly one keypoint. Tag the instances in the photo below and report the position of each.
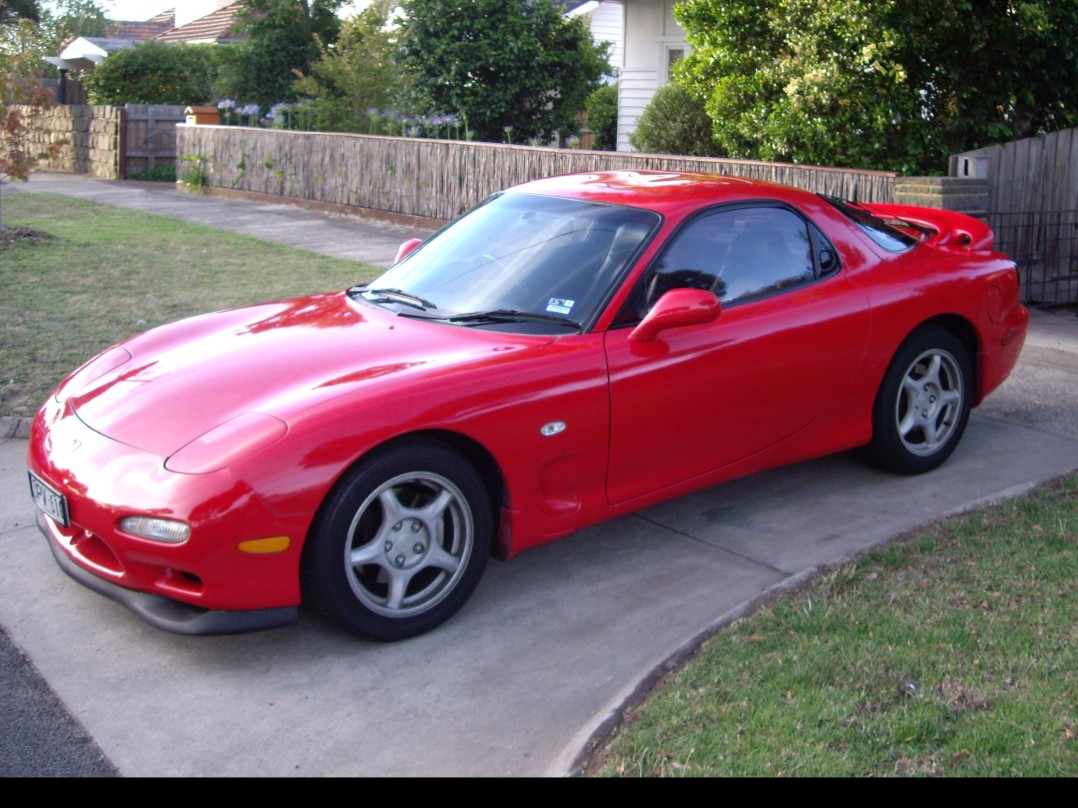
(154, 73)
(194, 177)
(602, 109)
(675, 123)
(512, 70)
(352, 80)
(155, 174)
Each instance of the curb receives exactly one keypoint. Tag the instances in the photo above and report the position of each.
(14, 427)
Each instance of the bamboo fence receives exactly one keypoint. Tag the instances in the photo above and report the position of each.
(440, 179)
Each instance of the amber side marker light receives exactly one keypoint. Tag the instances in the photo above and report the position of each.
(276, 544)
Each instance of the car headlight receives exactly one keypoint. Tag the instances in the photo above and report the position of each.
(148, 527)
(227, 443)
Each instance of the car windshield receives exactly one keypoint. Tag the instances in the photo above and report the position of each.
(519, 262)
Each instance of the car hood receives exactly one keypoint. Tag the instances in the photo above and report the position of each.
(279, 359)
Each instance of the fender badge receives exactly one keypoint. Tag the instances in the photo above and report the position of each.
(553, 428)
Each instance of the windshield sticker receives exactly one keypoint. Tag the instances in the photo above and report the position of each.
(560, 305)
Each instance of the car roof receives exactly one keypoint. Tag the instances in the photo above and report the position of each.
(663, 191)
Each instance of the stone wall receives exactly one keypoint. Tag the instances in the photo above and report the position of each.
(962, 194)
(92, 135)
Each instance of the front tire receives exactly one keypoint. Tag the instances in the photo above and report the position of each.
(923, 405)
(400, 543)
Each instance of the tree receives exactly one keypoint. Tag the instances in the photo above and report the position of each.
(18, 30)
(25, 137)
(13, 10)
(513, 69)
(32, 31)
(360, 73)
(154, 73)
(283, 38)
(67, 19)
(880, 83)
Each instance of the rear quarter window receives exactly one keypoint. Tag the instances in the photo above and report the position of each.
(887, 237)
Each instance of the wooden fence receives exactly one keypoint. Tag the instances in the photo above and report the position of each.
(149, 137)
(1033, 207)
(440, 179)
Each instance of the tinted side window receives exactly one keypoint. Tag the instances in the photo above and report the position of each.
(769, 249)
(738, 254)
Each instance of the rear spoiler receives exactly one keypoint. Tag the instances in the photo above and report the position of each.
(944, 228)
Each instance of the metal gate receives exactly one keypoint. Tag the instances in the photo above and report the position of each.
(1044, 246)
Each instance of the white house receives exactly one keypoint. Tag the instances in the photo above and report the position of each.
(606, 22)
(654, 42)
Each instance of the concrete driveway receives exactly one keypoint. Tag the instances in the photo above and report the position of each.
(550, 647)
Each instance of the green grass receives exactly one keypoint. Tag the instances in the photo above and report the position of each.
(110, 272)
(951, 653)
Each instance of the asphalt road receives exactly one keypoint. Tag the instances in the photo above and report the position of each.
(551, 646)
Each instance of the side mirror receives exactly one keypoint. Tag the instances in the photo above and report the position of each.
(678, 307)
(407, 248)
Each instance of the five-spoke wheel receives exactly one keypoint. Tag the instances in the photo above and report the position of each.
(400, 543)
(923, 404)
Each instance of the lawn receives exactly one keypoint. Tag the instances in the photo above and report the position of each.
(107, 273)
(949, 653)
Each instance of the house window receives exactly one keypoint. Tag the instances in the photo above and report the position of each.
(674, 54)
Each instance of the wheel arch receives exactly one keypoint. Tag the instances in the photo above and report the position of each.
(481, 459)
(963, 330)
(915, 428)
(471, 450)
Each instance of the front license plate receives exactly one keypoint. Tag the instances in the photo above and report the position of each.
(52, 502)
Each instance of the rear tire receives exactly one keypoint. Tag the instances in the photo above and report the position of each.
(923, 405)
(400, 543)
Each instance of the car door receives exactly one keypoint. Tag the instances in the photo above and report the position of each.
(791, 335)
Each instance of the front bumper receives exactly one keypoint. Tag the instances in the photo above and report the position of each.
(206, 585)
(165, 613)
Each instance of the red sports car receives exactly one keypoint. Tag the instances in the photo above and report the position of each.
(570, 350)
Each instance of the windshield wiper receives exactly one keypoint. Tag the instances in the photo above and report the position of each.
(399, 296)
(511, 316)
